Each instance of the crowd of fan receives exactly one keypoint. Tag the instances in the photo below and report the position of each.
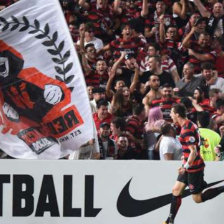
(139, 57)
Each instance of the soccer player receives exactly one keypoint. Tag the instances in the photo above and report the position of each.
(192, 171)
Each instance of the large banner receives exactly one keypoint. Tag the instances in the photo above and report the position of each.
(100, 192)
(44, 107)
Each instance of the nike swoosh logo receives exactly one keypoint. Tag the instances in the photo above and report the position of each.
(130, 207)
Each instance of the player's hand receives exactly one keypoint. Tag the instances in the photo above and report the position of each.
(181, 170)
(52, 94)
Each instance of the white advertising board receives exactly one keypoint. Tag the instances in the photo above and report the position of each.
(96, 192)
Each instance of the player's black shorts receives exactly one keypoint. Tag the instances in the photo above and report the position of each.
(195, 181)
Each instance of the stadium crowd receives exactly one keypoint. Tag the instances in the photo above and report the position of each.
(140, 57)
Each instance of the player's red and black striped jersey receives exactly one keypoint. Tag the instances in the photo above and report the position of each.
(131, 46)
(165, 105)
(189, 135)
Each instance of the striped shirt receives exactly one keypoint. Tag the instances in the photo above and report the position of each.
(101, 20)
(128, 14)
(205, 104)
(200, 50)
(165, 105)
(189, 135)
(219, 65)
(97, 80)
(135, 127)
(131, 46)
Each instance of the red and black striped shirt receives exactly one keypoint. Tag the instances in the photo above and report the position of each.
(131, 46)
(128, 14)
(97, 80)
(200, 50)
(165, 105)
(205, 104)
(135, 126)
(189, 135)
(101, 20)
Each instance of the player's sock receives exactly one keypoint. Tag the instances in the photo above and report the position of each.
(211, 193)
(175, 205)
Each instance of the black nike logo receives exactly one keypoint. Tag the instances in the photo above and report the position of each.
(130, 207)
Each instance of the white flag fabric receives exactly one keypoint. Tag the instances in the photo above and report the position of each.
(44, 106)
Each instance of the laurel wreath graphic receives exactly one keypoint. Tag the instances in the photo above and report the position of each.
(53, 48)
